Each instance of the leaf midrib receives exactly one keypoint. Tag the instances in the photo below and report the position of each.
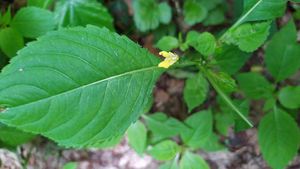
(86, 85)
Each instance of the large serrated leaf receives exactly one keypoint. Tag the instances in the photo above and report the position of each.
(77, 86)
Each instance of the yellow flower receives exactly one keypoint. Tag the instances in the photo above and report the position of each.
(170, 59)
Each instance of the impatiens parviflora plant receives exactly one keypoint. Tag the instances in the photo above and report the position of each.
(45, 89)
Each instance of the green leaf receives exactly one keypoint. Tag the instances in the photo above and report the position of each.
(171, 164)
(167, 43)
(10, 41)
(211, 4)
(282, 54)
(289, 97)
(194, 12)
(3, 60)
(215, 17)
(192, 161)
(256, 10)
(259, 10)
(110, 142)
(165, 12)
(81, 13)
(70, 165)
(163, 127)
(195, 91)
(58, 99)
(219, 87)
(40, 3)
(165, 150)
(278, 137)
(223, 121)
(191, 38)
(269, 104)
(147, 14)
(255, 85)
(205, 43)
(13, 137)
(137, 137)
(248, 37)
(213, 144)
(227, 112)
(200, 129)
(33, 22)
(6, 18)
(230, 59)
(224, 81)
(239, 124)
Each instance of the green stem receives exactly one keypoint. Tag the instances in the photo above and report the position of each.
(224, 96)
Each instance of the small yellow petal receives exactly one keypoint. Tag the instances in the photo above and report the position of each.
(164, 54)
(164, 64)
(170, 59)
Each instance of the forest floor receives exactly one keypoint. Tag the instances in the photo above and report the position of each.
(41, 154)
(242, 148)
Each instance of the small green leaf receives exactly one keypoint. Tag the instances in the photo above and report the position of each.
(165, 150)
(255, 85)
(70, 165)
(33, 22)
(215, 17)
(205, 44)
(6, 18)
(249, 36)
(163, 127)
(282, 54)
(211, 4)
(278, 137)
(146, 14)
(137, 137)
(10, 41)
(289, 97)
(167, 43)
(165, 13)
(223, 121)
(269, 104)
(81, 13)
(195, 91)
(59, 100)
(213, 144)
(191, 38)
(13, 137)
(200, 129)
(192, 161)
(194, 12)
(230, 59)
(224, 81)
(40, 3)
(171, 164)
